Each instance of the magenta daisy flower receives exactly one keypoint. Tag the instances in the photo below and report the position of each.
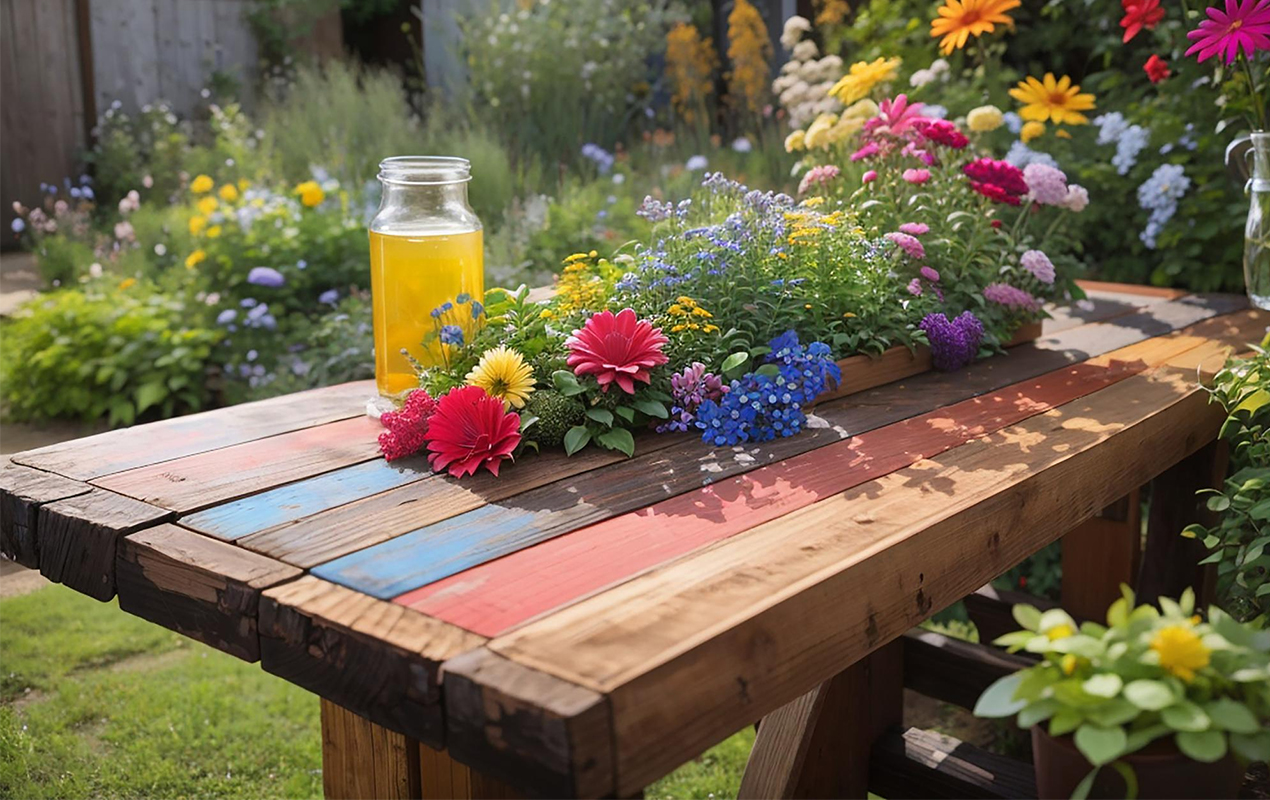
(1244, 24)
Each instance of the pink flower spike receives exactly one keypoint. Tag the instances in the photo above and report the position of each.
(930, 274)
(915, 228)
(870, 149)
(870, 176)
(916, 176)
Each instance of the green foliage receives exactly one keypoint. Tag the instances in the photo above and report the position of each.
(121, 353)
(1240, 539)
(1147, 674)
(556, 414)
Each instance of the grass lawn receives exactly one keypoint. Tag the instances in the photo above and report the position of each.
(98, 703)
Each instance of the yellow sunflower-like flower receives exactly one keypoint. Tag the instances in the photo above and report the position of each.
(503, 373)
(1181, 651)
(213, 232)
(195, 258)
(207, 205)
(1052, 99)
(795, 141)
(197, 224)
(202, 184)
(228, 193)
(958, 20)
(862, 77)
(311, 193)
(1031, 130)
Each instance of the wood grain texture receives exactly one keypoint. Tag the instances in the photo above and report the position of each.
(952, 670)
(363, 760)
(199, 587)
(922, 764)
(198, 481)
(736, 629)
(443, 778)
(22, 491)
(490, 598)
(377, 659)
(528, 728)
(77, 538)
(124, 449)
(1099, 555)
(819, 745)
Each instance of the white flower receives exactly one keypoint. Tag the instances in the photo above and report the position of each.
(619, 178)
(1077, 198)
(805, 50)
(696, 163)
(939, 66)
(742, 145)
(94, 269)
(794, 29)
(921, 77)
(160, 249)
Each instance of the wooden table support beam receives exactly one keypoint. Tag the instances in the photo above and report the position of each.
(22, 492)
(1100, 554)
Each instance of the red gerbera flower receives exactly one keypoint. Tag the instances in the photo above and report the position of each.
(1157, 69)
(1139, 14)
(471, 430)
(616, 349)
(407, 428)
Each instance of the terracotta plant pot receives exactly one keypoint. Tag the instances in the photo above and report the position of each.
(1162, 771)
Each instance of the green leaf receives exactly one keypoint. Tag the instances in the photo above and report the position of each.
(1105, 685)
(651, 407)
(1118, 612)
(1185, 716)
(1218, 503)
(1206, 746)
(1064, 721)
(1231, 715)
(1144, 736)
(601, 415)
(1081, 792)
(1253, 748)
(527, 421)
(770, 370)
(1130, 779)
(565, 383)
(998, 699)
(1100, 745)
(1149, 695)
(618, 439)
(149, 394)
(1116, 711)
(733, 361)
(1028, 617)
(1038, 711)
(626, 412)
(576, 438)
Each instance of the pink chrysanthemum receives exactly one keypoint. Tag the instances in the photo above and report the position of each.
(909, 244)
(867, 151)
(915, 228)
(616, 348)
(1010, 296)
(821, 174)
(916, 176)
(471, 430)
(943, 132)
(1046, 185)
(895, 117)
(1244, 24)
(407, 428)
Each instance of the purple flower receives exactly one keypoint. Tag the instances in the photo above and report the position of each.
(1039, 264)
(915, 287)
(688, 390)
(452, 335)
(266, 276)
(915, 228)
(1011, 297)
(1046, 185)
(908, 244)
(330, 297)
(227, 316)
(930, 274)
(953, 343)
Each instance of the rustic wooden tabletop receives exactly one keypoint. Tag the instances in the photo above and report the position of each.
(596, 621)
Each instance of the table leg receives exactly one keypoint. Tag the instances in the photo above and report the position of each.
(819, 745)
(363, 760)
(1170, 562)
(1100, 554)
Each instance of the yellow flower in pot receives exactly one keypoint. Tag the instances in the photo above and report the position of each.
(1168, 702)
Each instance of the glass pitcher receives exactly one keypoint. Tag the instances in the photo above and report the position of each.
(1255, 165)
(426, 250)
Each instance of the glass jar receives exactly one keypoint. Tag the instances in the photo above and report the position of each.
(1252, 155)
(426, 250)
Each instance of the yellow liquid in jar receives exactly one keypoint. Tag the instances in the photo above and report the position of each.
(409, 276)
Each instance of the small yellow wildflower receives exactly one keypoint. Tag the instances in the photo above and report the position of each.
(503, 373)
(701, 312)
(796, 141)
(749, 49)
(213, 232)
(197, 224)
(862, 77)
(984, 119)
(127, 283)
(686, 301)
(1068, 663)
(678, 328)
(228, 193)
(676, 310)
(547, 313)
(202, 184)
(812, 202)
(1031, 130)
(243, 183)
(1062, 134)
(1181, 651)
(575, 257)
(848, 315)
(208, 205)
(690, 64)
(311, 193)
(1060, 631)
(194, 259)
(711, 328)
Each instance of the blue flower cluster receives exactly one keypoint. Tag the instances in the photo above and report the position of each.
(602, 158)
(768, 403)
(1130, 140)
(1020, 155)
(1159, 195)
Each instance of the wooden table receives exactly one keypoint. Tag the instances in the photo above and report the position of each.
(582, 626)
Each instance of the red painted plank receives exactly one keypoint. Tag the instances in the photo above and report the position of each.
(500, 594)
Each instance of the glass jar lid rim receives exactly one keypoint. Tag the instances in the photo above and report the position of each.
(425, 170)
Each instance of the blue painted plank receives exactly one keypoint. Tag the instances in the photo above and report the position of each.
(300, 499)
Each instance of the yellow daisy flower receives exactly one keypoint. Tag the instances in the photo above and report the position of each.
(202, 184)
(197, 224)
(207, 205)
(958, 20)
(503, 373)
(1052, 99)
(127, 283)
(213, 232)
(1031, 130)
(194, 259)
(311, 193)
(863, 76)
(1181, 651)
(228, 193)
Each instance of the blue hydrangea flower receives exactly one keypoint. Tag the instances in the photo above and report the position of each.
(266, 276)
(17, 225)
(1013, 122)
(1020, 155)
(477, 309)
(1159, 195)
(330, 297)
(1111, 126)
(1132, 141)
(227, 316)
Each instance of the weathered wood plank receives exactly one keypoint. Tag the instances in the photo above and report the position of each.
(954, 671)
(1099, 555)
(22, 491)
(922, 764)
(376, 659)
(198, 481)
(363, 760)
(119, 450)
(78, 537)
(788, 603)
(443, 778)
(562, 746)
(202, 588)
(819, 745)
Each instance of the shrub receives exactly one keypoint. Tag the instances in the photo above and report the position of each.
(122, 353)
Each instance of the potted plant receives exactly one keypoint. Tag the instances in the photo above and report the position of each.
(1170, 702)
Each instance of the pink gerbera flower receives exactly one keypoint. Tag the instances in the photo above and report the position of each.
(1244, 24)
(895, 116)
(616, 348)
(471, 430)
